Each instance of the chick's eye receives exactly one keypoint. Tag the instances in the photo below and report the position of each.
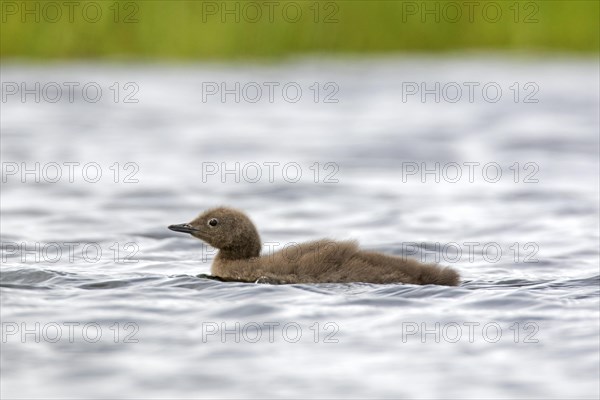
(213, 222)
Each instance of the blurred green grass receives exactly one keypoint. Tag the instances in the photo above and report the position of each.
(187, 29)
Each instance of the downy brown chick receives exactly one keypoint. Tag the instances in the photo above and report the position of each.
(239, 259)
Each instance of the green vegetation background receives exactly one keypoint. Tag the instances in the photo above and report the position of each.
(188, 29)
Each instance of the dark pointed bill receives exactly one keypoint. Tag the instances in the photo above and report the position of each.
(185, 228)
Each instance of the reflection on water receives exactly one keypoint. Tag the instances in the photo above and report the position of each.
(108, 304)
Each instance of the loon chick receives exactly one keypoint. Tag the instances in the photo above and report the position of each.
(238, 242)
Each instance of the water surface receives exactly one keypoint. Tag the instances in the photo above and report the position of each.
(523, 324)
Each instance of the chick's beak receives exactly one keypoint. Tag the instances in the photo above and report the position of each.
(185, 228)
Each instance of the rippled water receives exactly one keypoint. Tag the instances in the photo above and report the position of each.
(109, 306)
